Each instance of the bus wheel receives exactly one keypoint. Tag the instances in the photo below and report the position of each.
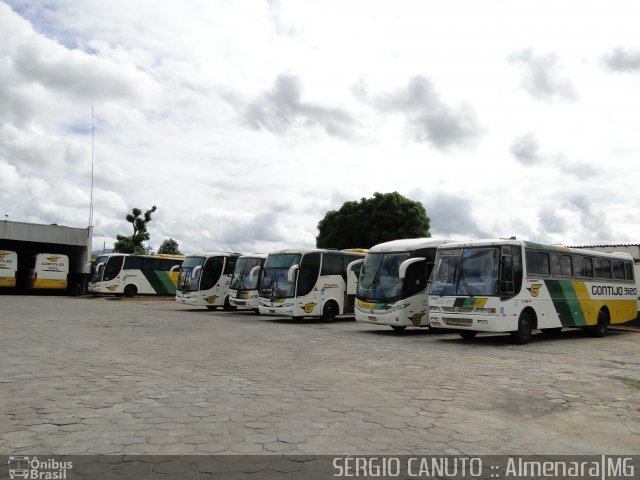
(130, 291)
(329, 311)
(468, 334)
(525, 329)
(256, 310)
(227, 305)
(600, 328)
(399, 328)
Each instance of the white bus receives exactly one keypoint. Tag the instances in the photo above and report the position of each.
(309, 283)
(48, 271)
(130, 275)
(8, 268)
(204, 280)
(392, 288)
(518, 286)
(245, 282)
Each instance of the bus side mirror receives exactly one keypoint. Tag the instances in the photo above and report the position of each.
(292, 271)
(195, 271)
(428, 271)
(354, 264)
(402, 271)
(252, 272)
(174, 268)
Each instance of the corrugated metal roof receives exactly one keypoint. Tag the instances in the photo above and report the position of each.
(33, 232)
(606, 246)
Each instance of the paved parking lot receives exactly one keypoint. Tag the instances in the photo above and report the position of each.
(89, 375)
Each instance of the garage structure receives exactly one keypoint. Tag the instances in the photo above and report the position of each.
(29, 239)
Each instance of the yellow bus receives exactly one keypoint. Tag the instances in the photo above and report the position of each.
(519, 286)
(129, 275)
(48, 271)
(8, 268)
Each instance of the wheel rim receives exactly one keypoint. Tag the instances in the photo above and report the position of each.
(330, 313)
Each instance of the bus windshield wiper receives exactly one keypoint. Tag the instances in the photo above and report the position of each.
(463, 280)
(375, 283)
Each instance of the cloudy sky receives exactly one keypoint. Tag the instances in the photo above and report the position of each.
(245, 122)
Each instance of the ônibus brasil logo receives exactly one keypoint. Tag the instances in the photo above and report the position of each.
(32, 468)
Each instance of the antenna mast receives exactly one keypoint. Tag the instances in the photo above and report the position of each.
(91, 200)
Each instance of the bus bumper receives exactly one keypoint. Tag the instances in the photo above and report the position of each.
(476, 323)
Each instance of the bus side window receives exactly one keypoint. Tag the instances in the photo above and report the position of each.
(308, 273)
(628, 273)
(517, 270)
(132, 263)
(332, 264)
(583, 267)
(537, 263)
(506, 272)
(112, 268)
(230, 265)
(618, 270)
(602, 268)
(211, 273)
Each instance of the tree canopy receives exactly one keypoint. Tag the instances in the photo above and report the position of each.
(363, 224)
(135, 243)
(169, 246)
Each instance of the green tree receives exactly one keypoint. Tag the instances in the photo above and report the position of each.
(363, 224)
(169, 246)
(135, 243)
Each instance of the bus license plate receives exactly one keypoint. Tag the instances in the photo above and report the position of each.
(272, 311)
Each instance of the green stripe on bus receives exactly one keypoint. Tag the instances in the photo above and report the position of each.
(156, 282)
(566, 303)
(464, 302)
(169, 286)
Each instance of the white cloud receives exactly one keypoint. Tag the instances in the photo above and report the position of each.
(241, 123)
(542, 77)
(427, 116)
(526, 149)
(623, 60)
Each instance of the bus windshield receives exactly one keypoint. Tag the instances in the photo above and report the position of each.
(466, 272)
(98, 265)
(187, 282)
(240, 280)
(379, 278)
(275, 282)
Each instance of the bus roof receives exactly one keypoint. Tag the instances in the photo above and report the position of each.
(214, 254)
(302, 251)
(254, 255)
(536, 246)
(159, 255)
(407, 244)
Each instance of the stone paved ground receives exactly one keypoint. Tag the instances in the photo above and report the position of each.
(86, 375)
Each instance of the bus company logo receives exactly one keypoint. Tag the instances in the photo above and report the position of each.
(2, 255)
(416, 318)
(308, 308)
(53, 259)
(32, 468)
(112, 288)
(535, 289)
(211, 298)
